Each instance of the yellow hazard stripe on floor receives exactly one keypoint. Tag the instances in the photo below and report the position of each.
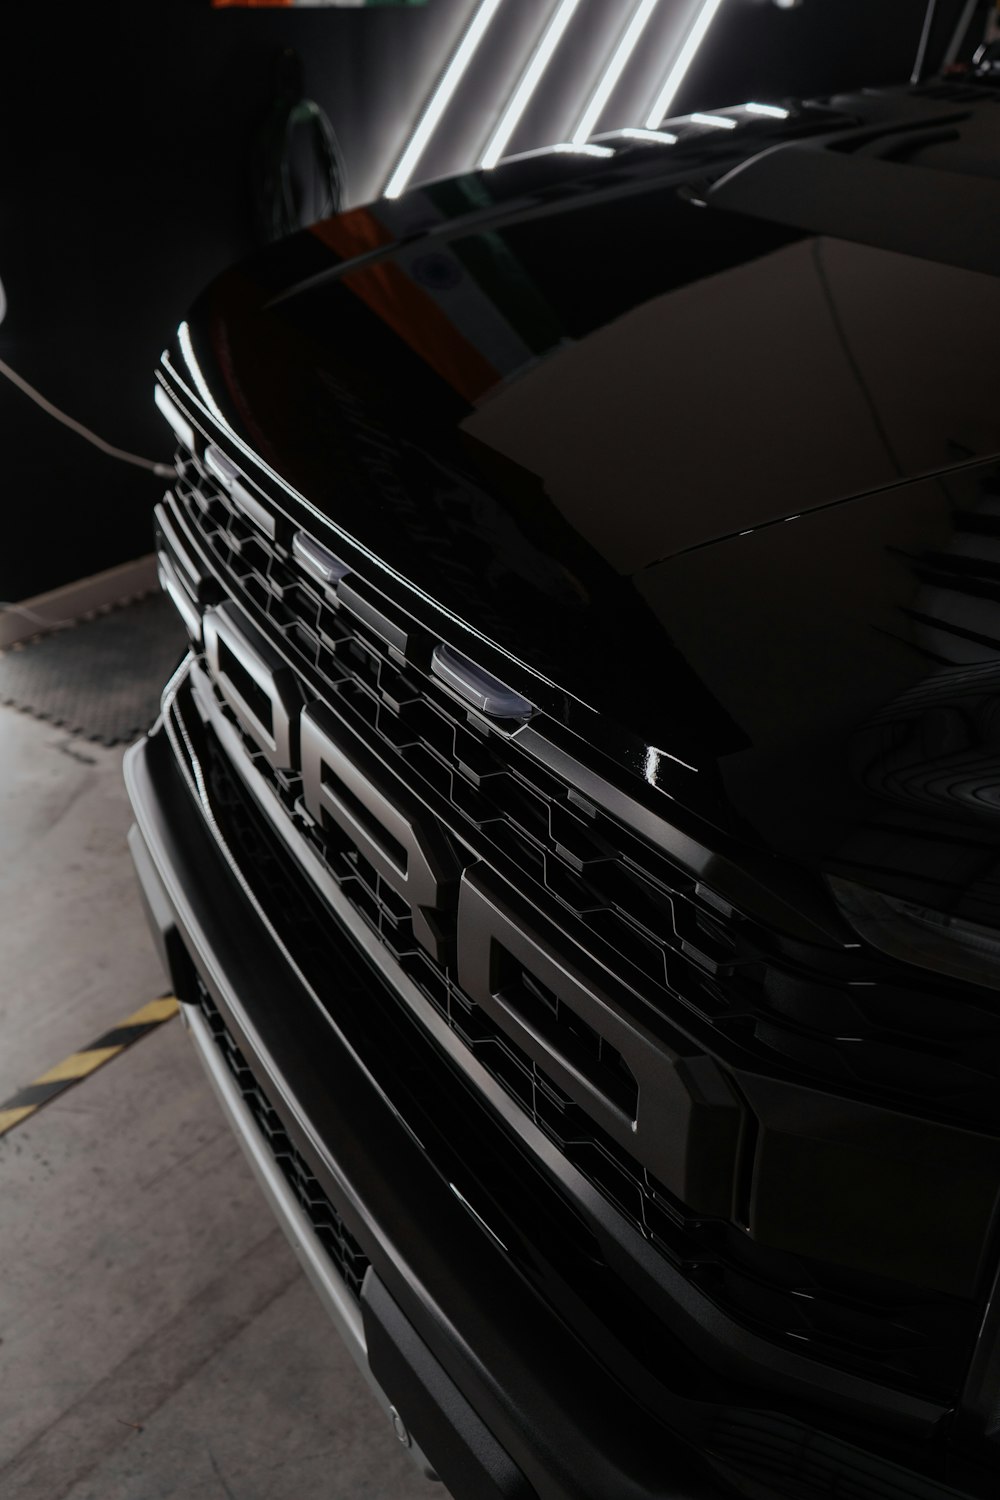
(155, 1012)
(78, 1066)
(27, 1101)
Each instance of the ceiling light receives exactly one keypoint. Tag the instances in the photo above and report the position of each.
(441, 97)
(678, 72)
(530, 79)
(599, 98)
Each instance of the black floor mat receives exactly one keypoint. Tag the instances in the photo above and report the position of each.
(101, 678)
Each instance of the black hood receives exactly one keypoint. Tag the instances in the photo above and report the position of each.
(726, 482)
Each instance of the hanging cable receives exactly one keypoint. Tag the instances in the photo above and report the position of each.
(164, 471)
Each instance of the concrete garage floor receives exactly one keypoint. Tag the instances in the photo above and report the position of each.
(156, 1335)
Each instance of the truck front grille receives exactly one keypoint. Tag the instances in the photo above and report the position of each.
(914, 1340)
(713, 972)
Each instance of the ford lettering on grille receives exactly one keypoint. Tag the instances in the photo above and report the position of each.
(661, 1098)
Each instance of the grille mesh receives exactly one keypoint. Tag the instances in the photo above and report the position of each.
(732, 984)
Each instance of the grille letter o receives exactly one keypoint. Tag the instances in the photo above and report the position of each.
(684, 1124)
(344, 783)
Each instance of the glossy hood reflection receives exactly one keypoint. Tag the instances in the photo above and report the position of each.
(713, 477)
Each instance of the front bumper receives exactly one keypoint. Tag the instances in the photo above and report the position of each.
(286, 1207)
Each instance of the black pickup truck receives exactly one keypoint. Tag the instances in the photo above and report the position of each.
(573, 832)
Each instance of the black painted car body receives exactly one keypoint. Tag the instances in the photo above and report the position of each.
(574, 830)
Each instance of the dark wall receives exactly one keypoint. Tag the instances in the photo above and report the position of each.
(761, 51)
(126, 185)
